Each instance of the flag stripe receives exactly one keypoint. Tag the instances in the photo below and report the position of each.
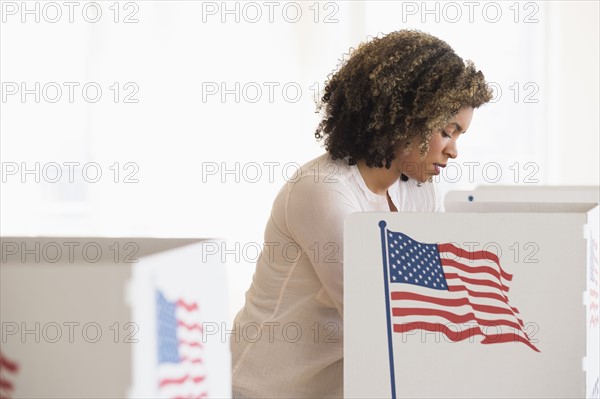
(168, 381)
(7, 364)
(8, 370)
(194, 326)
(491, 295)
(456, 302)
(478, 294)
(457, 310)
(190, 307)
(456, 336)
(474, 281)
(501, 338)
(191, 344)
(453, 317)
(475, 255)
(5, 384)
(471, 269)
(436, 327)
(408, 296)
(192, 360)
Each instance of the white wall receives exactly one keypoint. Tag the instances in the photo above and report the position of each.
(573, 107)
(171, 135)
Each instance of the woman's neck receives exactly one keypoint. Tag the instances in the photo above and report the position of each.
(378, 180)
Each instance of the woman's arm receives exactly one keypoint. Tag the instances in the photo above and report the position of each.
(315, 217)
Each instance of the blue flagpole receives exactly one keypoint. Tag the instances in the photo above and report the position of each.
(382, 225)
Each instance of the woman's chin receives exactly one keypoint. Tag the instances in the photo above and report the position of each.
(421, 179)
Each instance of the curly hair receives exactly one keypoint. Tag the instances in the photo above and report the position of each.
(392, 90)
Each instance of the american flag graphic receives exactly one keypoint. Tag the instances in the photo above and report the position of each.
(181, 368)
(8, 372)
(443, 288)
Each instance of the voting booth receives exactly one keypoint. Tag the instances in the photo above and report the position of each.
(112, 317)
(493, 300)
(526, 193)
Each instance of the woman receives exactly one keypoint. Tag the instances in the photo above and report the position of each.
(393, 113)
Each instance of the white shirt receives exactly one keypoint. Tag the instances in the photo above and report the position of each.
(288, 339)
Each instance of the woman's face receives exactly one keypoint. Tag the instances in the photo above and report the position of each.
(442, 145)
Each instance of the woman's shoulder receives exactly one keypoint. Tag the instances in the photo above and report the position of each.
(321, 183)
(324, 170)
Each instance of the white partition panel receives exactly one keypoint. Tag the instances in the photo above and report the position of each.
(530, 193)
(112, 317)
(513, 313)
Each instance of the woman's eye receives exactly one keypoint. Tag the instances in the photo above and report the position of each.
(444, 134)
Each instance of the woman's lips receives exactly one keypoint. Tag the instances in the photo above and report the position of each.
(437, 167)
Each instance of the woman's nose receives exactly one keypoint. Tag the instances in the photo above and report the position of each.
(451, 149)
